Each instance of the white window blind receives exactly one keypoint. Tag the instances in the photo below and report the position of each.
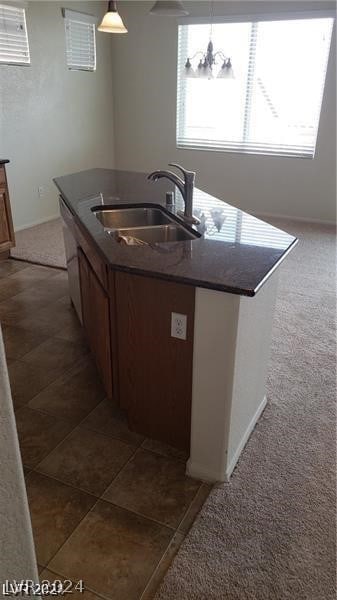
(14, 48)
(273, 105)
(80, 40)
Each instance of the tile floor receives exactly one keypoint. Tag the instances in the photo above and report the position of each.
(108, 506)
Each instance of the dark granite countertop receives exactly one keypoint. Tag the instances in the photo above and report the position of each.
(3, 161)
(236, 253)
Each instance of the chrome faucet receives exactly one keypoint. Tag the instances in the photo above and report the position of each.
(185, 187)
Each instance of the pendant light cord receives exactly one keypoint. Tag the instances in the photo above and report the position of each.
(211, 15)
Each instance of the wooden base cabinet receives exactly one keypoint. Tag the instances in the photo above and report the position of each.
(154, 368)
(127, 321)
(96, 321)
(7, 239)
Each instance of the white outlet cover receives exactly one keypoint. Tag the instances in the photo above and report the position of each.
(178, 326)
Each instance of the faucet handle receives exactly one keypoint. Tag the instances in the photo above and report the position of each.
(185, 172)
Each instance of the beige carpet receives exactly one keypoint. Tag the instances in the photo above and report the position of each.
(270, 533)
(42, 244)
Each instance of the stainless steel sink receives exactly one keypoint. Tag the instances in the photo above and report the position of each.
(117, 218)
(146, 223)
(158, 234)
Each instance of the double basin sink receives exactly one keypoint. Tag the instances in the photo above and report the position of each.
(144, 224)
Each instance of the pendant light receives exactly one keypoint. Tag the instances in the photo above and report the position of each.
(168, 8)
(112, 22)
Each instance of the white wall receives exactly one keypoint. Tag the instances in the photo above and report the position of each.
(145, 103)
(53, 121)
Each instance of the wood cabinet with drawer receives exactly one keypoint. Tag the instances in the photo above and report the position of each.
(7, 239)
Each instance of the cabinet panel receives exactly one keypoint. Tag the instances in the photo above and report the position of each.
(7, 238)
(85, 292)
(96, 321)
(154, 369)
(97, 264)
(4, 227)
(3, 182)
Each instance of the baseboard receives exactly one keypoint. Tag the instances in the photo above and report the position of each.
(199, 472)
(264, 215)
(38, 222)
(245, 438)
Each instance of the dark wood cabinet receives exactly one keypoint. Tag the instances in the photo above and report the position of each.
(127, 321)
(4, 229)
(7, 239)
(96, 320)
(155, 369)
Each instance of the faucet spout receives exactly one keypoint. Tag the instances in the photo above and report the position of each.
(168, 175)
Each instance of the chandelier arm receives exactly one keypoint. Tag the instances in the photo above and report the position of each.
(223, 56)
(196, 54)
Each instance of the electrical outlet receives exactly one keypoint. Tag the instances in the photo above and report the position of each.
(40, 191)
(178, 326)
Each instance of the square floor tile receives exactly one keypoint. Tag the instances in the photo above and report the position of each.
(13, 310)
(43, 325)
(10, 266)
(74, 594)
(56, 355)
(27, 380)
(44, 292)
(108, 419)
(164, 449)
(34, 273)
(73, 331)
(19, 342)
(38, 434)
(63, 315)
(87, 460)
(73, 395)
(114, 551)
(11, 287)
(154, 486)
(56, 509)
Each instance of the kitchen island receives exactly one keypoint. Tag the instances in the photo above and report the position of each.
(197, 383)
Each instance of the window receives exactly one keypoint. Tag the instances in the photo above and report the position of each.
(14, 48)
(273, 104)
(80, 40)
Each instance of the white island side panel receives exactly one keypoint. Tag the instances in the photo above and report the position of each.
(232, 337)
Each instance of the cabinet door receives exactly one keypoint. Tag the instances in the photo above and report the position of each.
(4, 225)
(96, 321)
(100, 331)
(155, 369)
(85, 293)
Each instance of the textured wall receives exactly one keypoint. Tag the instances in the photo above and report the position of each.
(53, 121)
(145, 105)
(16, 541)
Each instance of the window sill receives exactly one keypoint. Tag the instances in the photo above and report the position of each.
(245, 152)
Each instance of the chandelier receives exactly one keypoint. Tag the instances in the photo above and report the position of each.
(208, 60)
(204, 69)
